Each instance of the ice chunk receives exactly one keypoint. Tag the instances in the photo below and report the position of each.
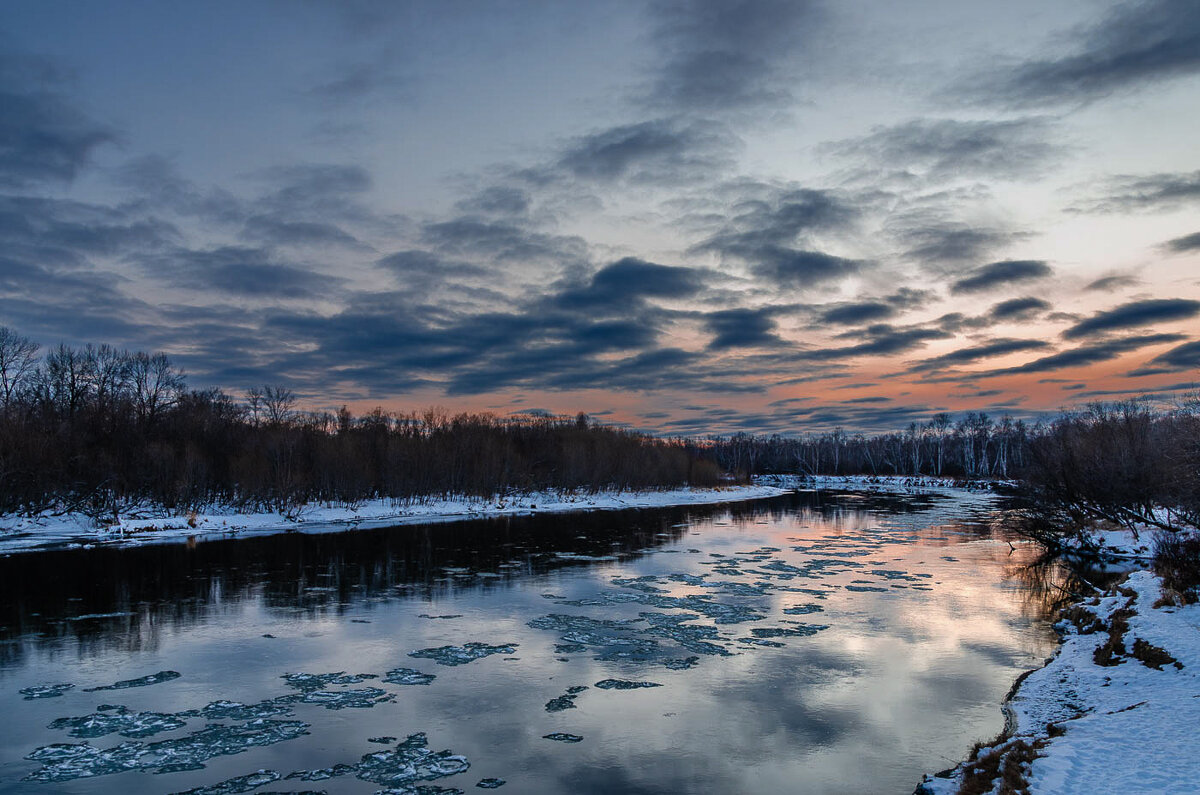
(491, 783)
(141, 681)
(235, 710)
(236, 785)
(797, 631)
(461, 655)
(323, 773)
(305, 682)
(45, 691)
(408, 676)
(409, 762)
(123, 722)
(359, 698)
(624, 684)
(563, 737)
(801, 610)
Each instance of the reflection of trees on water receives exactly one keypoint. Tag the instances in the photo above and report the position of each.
(123, 599)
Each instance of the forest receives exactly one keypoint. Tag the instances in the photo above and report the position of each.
(94, 428)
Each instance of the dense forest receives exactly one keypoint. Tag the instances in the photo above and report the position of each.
(95, 428)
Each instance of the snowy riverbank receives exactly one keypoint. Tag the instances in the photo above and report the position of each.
(133, 526)
(1114, 710)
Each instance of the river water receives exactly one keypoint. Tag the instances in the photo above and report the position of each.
(827, 642)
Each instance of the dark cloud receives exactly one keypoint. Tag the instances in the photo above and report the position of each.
(741, 328)
(766, 235)
(497, 200)
(654, 152)
(720, 56)
(1018, 309)
(1083, 355)
(1183, 357)
(621, 285)
(1133, 315)
(948, 148)
(282, 231)
(932, 240)
(879, 340)
(1138, 43)
(998, 274)
(241, 271)
(1001, 347)
(1111, 283)
(43, 136)
(497, 241)
(364, 80)
(858, 313)
(1184, 244)
(1148, 192)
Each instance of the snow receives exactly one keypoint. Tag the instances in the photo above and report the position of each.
(138, 526)
(1129, 727)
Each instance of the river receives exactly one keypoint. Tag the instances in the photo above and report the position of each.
(823, 642)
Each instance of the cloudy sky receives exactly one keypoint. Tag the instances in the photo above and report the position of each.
(693, 217)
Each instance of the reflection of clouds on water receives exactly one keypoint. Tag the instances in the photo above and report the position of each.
(807, 637)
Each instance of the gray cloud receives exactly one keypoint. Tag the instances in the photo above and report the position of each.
(932, 240)
(658, 151)
(948, 148)
(1136, 44)
(720, 56)
(1018, 309)
(1146, 192)
(858, 313)
(43, 136)
(1111, 283)
(999, 274)
(1083, 355)
(741, 328)
(1001, 347)
(1184, 244)
(1133, 315)
(1183, 357)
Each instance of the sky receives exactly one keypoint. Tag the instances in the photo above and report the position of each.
(694, 217)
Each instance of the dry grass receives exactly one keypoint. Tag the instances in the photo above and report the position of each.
(1009, 762)
(1113, 651)
(1153, 656)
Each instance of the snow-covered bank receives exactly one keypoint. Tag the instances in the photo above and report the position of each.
(1114, 711)
(134, 527)
(888, 483)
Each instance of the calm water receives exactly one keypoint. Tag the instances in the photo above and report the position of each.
(831, 643)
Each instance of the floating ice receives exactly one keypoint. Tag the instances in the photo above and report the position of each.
(408, 676)
(560, 703)
(141, 681)
(491, 783)
(305, 682)
(381, 740)
(409, 762)
(360, 698)
(236, 785)
(451, 615)
(802, 610)
(122, 722)
(624, 684)
(65, 761)
(799, 631)
(563, 737)
(322, 773)
(235, 710)
(45, 691)
(461, 655)
(864, 588)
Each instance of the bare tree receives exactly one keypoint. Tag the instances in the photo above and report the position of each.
(156, 386)
(279, 404)
(18, 360)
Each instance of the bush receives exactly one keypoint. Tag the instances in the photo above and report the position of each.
(1177, 562)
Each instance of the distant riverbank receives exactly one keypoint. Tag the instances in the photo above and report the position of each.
(146, 525)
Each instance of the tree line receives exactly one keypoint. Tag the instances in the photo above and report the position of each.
(95, 428)
(974, 446)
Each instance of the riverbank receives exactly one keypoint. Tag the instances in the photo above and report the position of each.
(1113, 711)
(142, 525)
